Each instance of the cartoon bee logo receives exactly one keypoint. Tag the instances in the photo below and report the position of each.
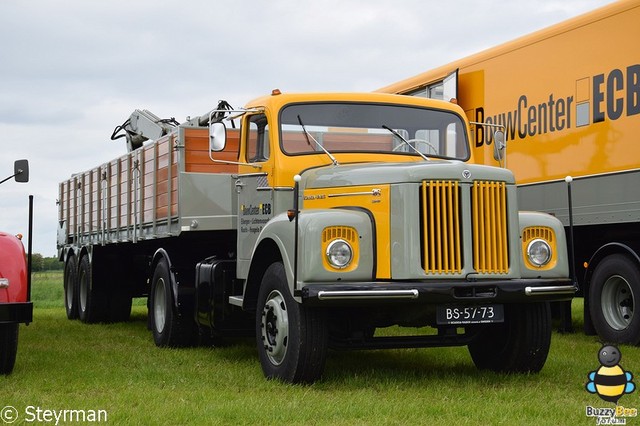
(610, 381)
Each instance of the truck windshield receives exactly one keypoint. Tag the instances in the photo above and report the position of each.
(349, 127)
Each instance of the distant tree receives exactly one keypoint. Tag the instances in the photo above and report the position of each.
(37, 262)
(41, 263)
(52, 264)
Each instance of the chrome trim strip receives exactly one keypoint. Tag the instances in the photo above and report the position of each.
(374, 192)
(541, 291)
(367, 294)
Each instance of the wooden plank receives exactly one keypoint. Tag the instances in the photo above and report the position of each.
(197, 152)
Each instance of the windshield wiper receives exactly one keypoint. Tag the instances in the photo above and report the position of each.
(406, 142)
(309, 135)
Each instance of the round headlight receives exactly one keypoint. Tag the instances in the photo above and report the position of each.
(539, 252)
(339, 254)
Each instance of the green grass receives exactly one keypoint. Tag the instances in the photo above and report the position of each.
(69, 365)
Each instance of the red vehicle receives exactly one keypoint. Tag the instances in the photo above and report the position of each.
(15, 283)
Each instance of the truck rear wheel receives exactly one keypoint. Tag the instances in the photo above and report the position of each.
(291, 338)
(8, 347)
(519, 345)
(71, 287)
(169, 329)
(91, 300)
(613, 296)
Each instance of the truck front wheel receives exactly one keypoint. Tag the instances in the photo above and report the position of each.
(8, 347)
(169, 329)
(613, 295)
(519, 345)
(291, 338)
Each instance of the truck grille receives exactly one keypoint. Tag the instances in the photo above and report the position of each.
(441, 248)
(441, 227)
(489, 221)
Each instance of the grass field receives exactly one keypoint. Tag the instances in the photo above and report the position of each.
(67, 365)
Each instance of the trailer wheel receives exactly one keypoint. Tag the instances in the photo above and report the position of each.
(613, 296)
(71, 287)
(169, 329)
(519, 345)
(8, 347)
(291, 338)
(91, 301)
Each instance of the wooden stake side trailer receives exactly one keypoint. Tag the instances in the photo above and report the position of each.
(166, 196)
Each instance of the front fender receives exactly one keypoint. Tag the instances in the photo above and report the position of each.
(537, 223)
(311, 265)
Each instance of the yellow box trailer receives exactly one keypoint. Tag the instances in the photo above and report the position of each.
(568, 100)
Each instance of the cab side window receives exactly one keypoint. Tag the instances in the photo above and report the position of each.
(257, 139)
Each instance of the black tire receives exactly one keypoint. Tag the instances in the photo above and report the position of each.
(614, 293)
(92, 306)
(71, 287)
(169, 329)
(8, 347)
(519, 345)
(291, 338)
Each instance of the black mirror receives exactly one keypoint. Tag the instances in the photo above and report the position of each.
(21, 170)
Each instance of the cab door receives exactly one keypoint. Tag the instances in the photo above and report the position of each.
(255, 193)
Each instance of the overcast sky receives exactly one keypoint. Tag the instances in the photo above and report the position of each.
(71, 70)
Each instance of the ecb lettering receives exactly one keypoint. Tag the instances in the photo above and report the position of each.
(613, 95)
(610, 93)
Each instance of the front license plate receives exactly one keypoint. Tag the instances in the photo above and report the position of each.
(472, 314)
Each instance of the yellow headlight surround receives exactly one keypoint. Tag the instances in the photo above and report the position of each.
(333, 236)
(535, 234)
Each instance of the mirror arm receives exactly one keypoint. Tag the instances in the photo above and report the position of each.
(222, 136)
(254, 165)
(12, 176)
(20, 167)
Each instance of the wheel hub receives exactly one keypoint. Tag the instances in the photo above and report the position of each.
(84, 292)
(159, 306)
(617, 302)
(68, 292)
(275, 327)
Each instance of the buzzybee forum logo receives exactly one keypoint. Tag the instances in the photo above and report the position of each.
(610, 382)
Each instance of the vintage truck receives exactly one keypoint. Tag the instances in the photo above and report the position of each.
(317, 221)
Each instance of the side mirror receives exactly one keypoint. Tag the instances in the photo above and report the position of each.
(21, 170)
(217, 136)
(498, 145)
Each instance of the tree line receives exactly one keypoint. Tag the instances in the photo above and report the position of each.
(41, 263)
